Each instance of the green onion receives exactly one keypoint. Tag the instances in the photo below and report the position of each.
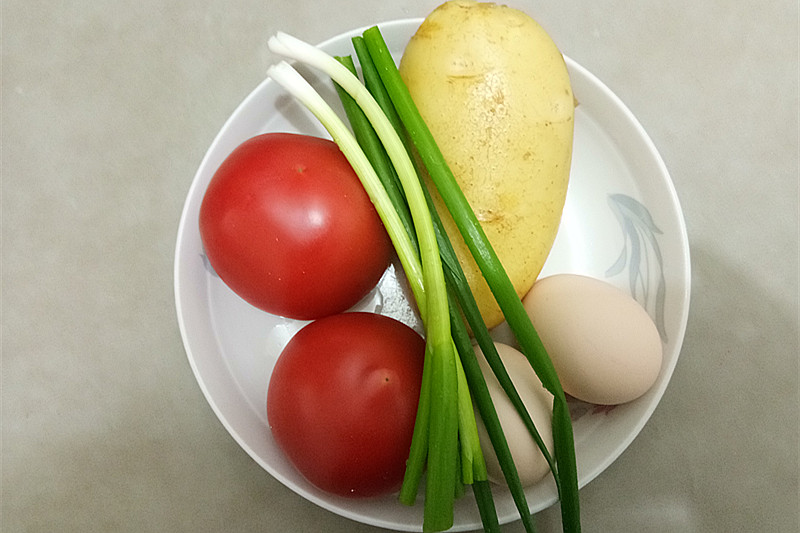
(492, 271)
(374, 83)
(442, 441)
(483, 496)
(457, 281)
(438, 509)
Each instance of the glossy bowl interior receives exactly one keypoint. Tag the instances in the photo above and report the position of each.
(622, 223)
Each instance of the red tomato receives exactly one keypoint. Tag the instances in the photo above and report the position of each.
(287, 225)
(342, 402)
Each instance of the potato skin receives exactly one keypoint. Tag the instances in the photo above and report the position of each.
(495, 93)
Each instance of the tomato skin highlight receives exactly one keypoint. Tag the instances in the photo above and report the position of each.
(287, 225)
(342, 402)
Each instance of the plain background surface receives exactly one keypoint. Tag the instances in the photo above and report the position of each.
(107, 110)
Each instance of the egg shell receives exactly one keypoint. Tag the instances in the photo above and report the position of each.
(604, 346)
(531, 464)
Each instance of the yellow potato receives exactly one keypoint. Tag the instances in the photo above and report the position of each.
(495, 93)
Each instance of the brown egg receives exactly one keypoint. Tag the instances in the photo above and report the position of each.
(531, 464)
(604, 346)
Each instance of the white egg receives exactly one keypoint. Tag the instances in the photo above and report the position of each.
(604, 346)
(530, 463)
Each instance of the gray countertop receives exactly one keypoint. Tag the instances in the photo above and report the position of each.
(107, 111)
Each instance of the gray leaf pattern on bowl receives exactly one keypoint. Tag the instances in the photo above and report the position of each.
(642, 255)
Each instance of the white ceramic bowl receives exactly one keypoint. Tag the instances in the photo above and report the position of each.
(622, 223)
